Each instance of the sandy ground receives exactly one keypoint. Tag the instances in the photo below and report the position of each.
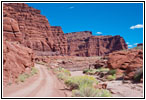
(125, 90)
(77, 73)
(45, 84)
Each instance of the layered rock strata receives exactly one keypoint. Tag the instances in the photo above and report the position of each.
(84, 44)
(35, 28)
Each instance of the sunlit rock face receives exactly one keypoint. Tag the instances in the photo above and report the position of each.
(84, 44)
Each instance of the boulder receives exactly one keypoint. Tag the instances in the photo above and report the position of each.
(126, 61)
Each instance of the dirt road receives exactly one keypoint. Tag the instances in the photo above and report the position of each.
(44, 85)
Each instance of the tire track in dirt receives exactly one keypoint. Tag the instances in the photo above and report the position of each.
(45, 85)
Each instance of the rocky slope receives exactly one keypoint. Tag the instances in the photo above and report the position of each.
(84, 44)
(16, 60)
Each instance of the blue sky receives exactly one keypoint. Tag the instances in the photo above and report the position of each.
(124, 19)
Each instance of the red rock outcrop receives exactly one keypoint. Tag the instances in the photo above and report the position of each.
(35, 28)
(16, 58)
(60, 40)
(11, 30)
(140, 44)
(78, 43)
(84, 44)
(127, 62)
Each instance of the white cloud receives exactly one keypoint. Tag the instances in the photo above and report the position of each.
(71, 7)
(99, 33)
(136, 26)
(127, 42)
(130, 46)
(135, 43)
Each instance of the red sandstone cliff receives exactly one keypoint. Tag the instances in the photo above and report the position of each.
(84, 44)
(33, 30)
(16, 57)
(36, 31)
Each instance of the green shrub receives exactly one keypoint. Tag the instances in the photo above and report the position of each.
(62, 76)
(62, 73)
(111, 77)
(103, 69)
(91, 71)
(48, 68)
(86, 70)
(94, 71)
(34, 71)
(22, 77)
(105, 93)
(90, 92)
(62, 70)
(78, 81)
(66, 72)
(112, 72)
(42, 63)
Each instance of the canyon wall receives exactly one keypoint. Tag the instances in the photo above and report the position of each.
(37, 33)
(16, 57)
(84, 44)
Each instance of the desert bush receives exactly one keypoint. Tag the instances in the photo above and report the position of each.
(76, 82)
(103, 69)
(86, 70)
(48, 68)
(66, 72)
(62, 73)
(62, 70)
(42, 63)
(34, 70)
(111, 77)
(61, 76)
(105, 93)
(94, 71)
(112, 72)
(90, 92)
(23, 77)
